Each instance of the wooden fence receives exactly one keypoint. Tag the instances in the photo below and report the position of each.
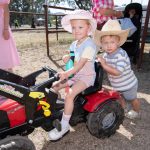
(46, 23)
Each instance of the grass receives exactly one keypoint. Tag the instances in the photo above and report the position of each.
(34, 39)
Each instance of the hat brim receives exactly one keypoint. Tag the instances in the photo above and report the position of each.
(123, 34)
(66, 24)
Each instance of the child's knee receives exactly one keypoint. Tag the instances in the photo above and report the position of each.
(135, 101)
(69, 97)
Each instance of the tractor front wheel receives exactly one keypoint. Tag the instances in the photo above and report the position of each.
(16, 143)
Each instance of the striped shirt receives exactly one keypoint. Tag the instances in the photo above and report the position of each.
(120, 60)
(97, 4)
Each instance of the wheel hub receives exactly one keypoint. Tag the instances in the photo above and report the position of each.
(108, 120)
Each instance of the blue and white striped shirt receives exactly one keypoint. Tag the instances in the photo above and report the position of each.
(120, 60)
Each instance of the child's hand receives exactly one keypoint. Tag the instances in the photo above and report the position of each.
(65, 58)
(6, 34)
(63, 75)
(101, 60)
(67, 52)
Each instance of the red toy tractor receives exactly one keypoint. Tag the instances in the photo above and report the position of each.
(28, 105)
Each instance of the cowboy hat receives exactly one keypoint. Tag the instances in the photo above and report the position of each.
(78, 14)
(111, 27)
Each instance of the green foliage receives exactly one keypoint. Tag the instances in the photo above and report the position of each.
(82, 4)
(20, 5)
(36, 6)
(25, 6)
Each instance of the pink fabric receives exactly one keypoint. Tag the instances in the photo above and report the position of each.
(2, 99)
(8, 53)
(86, 75)
(88, 80)
(97, 4)
(4, 1)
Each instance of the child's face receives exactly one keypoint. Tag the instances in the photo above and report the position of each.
(110, 43)
(80, 29)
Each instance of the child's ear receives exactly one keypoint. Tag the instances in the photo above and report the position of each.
(90, 29)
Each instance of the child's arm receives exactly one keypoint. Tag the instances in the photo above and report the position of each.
(6, 22)
(75, 69)
(111, 70)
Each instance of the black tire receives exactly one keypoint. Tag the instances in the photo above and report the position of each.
(106, 120)
(16, 143)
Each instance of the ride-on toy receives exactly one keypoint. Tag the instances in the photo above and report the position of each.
(30, 105)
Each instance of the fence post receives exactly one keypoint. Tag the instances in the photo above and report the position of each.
(46, 27)
(144, 34)
(56, 27)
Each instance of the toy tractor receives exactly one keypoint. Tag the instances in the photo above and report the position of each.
(27, 105)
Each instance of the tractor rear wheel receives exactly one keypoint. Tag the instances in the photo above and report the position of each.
(106, 119)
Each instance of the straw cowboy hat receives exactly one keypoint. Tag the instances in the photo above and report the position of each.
(78, 14)
(111, 27)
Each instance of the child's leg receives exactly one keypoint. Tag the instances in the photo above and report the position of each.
(58, 86)
(135, 105)
(78, 87)
(122, 102)
(134, 112)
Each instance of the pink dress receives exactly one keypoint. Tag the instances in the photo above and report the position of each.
(9, 57)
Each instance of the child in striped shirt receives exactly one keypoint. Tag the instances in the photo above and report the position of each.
(116, 63)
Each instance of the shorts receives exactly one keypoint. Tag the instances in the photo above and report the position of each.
(130, 94)
(88, 80)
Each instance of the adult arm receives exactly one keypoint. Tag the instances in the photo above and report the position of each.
(6, 34)
(110, 12)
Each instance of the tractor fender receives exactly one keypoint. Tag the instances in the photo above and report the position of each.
(15, 112)
(95, 99)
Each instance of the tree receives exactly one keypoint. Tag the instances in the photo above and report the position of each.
(20, 6)
(82, 4)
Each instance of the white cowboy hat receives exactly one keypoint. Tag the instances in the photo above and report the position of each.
(78, 14)
(111, 27)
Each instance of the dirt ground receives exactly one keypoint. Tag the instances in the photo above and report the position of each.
(131, 135)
